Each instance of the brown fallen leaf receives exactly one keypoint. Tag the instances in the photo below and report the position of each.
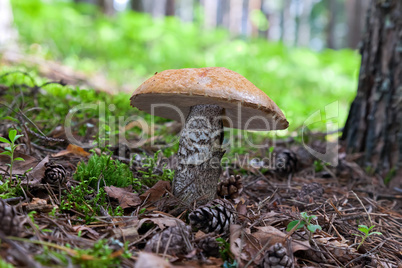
(271, 235)
(90, 231)
(247, 247)
(161, 220)
(19, 167)
(125, 196)
(156, 192)
(72, 149)
(244, 246)
(35, 175)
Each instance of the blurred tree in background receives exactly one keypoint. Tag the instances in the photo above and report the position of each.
(314, 23)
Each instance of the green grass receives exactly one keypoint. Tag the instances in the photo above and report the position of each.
(130, 47)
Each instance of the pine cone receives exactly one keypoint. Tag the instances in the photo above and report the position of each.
(176, 239)
(216, 216)
(286, 162)
(54, 174)
(276, 257)
(10, 222)
(230, 187)
(209, 246)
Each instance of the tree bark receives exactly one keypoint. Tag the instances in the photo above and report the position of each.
(355, 10)
(332, 11)
(198, 169)
(137, 5)
(170, 8)
(374, 124)
(106, 6)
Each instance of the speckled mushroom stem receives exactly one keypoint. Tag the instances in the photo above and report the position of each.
(199, 156)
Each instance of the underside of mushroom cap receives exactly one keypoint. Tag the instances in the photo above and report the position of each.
(171, 93)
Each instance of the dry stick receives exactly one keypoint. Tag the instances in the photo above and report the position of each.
(368, 214)
(368, 253)
(267, 199)
(258, 253)
(148, 233)
(21, 252)
(186, 238)
(319, 251)
(43, 148)
(167, 245)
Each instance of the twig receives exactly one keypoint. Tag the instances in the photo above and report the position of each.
(368, 214)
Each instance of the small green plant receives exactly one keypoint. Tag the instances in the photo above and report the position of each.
(304, 221)
(149, 178)
(391, 174)
(366, 233)
(226, 254)
(109, 171)
(318, 166)
(83, 199)
(7, 190)
(10, 150)
(101, 254)
(4, 264)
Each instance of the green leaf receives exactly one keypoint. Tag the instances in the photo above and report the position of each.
(11, 134)
(313, 227)
(304, 215)
(16, 137)
(377, 233)
(4, 140)
(362, 236)
(292, 224)
(6, 153)
(19, 159)
(9, 118)
(363, 229)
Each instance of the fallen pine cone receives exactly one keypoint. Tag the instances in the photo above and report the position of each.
(230, 187)
(276, 257)
(55, 174)
(173, 240)
(216, 216)
(209, 246)
(286, 162)
(10, 222)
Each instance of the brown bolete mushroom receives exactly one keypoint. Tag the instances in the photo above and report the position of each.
(208, 99)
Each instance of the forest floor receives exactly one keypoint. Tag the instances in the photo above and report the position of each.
(111, 206)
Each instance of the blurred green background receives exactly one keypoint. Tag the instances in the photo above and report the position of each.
(128, 47)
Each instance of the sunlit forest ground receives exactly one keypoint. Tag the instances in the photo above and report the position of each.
(129, 47)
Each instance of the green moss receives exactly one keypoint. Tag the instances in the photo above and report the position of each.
(105, 171)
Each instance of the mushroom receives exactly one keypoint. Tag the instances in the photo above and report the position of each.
(208, 99)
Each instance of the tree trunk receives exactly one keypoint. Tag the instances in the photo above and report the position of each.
(137, 5)
(198, 169)
(106, 6)
(374, 124)
(355, 10)
(170, 8)
(332, 11)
